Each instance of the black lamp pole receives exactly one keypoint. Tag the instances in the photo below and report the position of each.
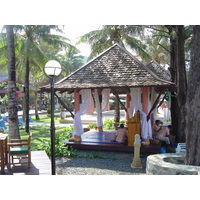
(52, 129)
(52, 70)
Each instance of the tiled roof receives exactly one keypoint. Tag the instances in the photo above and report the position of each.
(159, 71)
(114, 68)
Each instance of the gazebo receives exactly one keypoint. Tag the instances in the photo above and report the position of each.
(114, 71)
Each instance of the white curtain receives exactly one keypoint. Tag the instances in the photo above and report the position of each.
(98, 109)
(154, 95)
(105, 100)
(146, 130)
(105, 97)
(84, 107)
(135, 102)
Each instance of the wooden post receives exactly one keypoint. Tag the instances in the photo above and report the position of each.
(133, 128)
(136, 160)
(100, 128)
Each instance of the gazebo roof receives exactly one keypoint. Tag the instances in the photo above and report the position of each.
(115, 68)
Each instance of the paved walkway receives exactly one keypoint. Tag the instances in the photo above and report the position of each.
(40, 165)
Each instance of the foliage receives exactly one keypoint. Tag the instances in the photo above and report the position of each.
(5, 100)
(4, 86)
(60, 149)
(107, 35)
(122, 122)
(94, 155)
(39, 133)
(70, 60)
(109, 124)
(92, 126)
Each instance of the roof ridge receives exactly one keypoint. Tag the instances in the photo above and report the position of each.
(144, 66)
(87, 63)
(156, 76)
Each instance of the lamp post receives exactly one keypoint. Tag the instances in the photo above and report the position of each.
(52, 70)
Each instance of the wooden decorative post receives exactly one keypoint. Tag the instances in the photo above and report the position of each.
(133, 128)
(136, 160)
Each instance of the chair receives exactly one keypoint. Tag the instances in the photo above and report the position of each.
(19, 149)
(181, 148)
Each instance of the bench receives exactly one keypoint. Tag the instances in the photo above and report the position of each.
(181, 148)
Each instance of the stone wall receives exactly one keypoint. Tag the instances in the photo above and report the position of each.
(169, 164)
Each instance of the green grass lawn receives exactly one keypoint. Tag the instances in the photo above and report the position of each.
(40, 132)
(47, 119)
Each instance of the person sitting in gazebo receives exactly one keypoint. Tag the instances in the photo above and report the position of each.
(156, 127)
(163, 135)
(121, 134)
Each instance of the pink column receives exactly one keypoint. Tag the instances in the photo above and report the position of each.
(76, 101)
(145, 99)
(91, 110)
(128, 98)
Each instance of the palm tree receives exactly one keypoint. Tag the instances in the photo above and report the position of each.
(12, 105)
(158, 48)
(36, 45)
(37, 79)
(107, 35)
(70, 61)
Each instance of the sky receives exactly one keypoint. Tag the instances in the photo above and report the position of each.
(80, 16)
(73, 33)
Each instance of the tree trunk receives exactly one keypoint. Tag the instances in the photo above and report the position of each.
(37, 117)
(27, 96)
(12, 98)
(173, 72)
(193, 103)
(181, 82)
(178, 74)
(117, 113)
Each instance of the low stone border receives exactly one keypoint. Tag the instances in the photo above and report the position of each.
(169, 164)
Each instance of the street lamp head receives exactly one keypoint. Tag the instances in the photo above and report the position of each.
(52, 68)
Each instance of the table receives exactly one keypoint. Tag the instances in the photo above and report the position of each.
(3, 150)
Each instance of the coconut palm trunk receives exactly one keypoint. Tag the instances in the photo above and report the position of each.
(12, 97)
(37, 117)
(116, 113)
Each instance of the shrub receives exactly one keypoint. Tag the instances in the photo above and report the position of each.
(92, 126)
(60, 148)
(109, 124)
